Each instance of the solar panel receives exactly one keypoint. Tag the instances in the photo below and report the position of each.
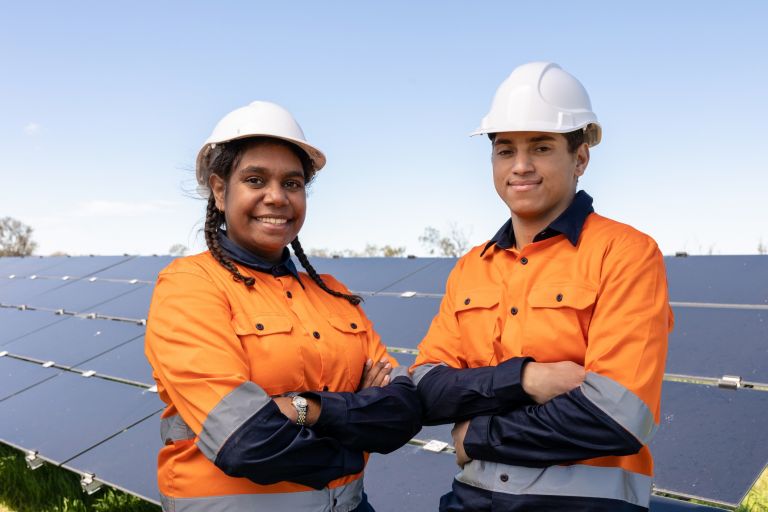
(134, 304)
(718, 279)
(74, 340)
(409, 478)
(17, 292)
(16, 376)
(124, 362)
(369, 274)
(68, 414)
(430, 279)
(401, 322)
(128, 461)
(16, 323)
(660, 504)
(80, 266)
(80, 296)
(23, 267)
(717, 342)
(144, 268)
(712, 443)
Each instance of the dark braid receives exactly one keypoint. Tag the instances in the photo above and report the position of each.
(299, 252)
(213, 220)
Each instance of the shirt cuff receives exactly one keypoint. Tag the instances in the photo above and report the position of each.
(333, 409)
(508, 381)
(476, 438)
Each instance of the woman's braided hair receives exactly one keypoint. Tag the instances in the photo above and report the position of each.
(221, 161)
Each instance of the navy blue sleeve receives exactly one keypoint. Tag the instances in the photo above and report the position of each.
(269, 448)
(375, 419)
(456, 394)
(567, 428)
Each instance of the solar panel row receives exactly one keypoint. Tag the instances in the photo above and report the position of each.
(108, 427)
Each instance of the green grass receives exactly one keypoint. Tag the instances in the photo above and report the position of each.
(52, 489)
(757, 498)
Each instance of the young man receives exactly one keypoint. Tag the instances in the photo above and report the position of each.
(549, 348)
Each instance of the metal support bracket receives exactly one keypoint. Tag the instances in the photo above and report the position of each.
(32, 460)
(89, 483)
(729, 382)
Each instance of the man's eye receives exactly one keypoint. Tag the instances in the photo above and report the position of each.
(504, 152)
(254, 180)
(543, 149)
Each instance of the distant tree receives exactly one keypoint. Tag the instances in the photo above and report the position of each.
(15, 238)
(178, 250)
(371, 250)
(58, 253)
(761, 248)
(452, 244)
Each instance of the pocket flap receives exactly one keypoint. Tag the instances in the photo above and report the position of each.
(564, 295)
(477, 298)
(261, 325)
(347, 324)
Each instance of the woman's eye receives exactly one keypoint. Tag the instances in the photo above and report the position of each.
(293, 184)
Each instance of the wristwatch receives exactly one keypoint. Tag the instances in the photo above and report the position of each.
(301, 406)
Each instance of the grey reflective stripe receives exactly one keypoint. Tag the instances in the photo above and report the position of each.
(622, 405)
(577, 480)
(400, 371)
(422, 370)
(173, 428)
(341, 499)
(229, 414)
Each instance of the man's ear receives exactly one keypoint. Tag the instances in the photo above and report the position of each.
(582, 159)
(218, 187)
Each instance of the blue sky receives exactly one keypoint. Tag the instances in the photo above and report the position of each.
(104, 105)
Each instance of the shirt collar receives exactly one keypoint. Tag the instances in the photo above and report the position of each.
(569, 223)
(243, 256)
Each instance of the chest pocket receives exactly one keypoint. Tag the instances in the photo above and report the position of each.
(351, 341)
(559, 319)
(276, 362)
(477, 314)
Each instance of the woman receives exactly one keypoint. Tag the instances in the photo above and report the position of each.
(275, 382)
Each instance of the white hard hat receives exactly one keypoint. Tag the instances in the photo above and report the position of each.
(259, 119)
(541, 97)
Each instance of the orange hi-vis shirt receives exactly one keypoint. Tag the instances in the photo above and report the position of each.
(220, 350)
(602, 303)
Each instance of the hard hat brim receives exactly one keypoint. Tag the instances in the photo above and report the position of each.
(316, 156)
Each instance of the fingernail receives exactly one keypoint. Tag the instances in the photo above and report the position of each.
(368, 363)
(386, 379)
(387, 366)
(384, 360)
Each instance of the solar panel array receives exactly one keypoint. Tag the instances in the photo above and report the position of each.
(77, 392)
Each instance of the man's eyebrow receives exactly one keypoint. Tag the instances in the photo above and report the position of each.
(538, 138)
(541, 138)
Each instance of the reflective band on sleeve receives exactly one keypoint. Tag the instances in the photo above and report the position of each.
(173, 428)
(339, 499)
(422, 370)
(622, 405)
(400, 371)
(577, 480)
(229, 414)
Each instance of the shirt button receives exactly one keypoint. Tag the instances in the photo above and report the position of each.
(325, 388)
(353, 325)
(316, 335)
(260, 327)
(467, 301)
(513, 311)
(335, 501)
(289, 295)
(559, 297)
(524, 260)
(504, 477)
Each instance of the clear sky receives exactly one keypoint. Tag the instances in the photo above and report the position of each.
(104, 105)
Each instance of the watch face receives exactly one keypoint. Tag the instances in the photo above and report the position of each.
(300, 401)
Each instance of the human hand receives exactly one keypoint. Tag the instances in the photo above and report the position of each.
(375, 374)
(458, 433)
(544, 381)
